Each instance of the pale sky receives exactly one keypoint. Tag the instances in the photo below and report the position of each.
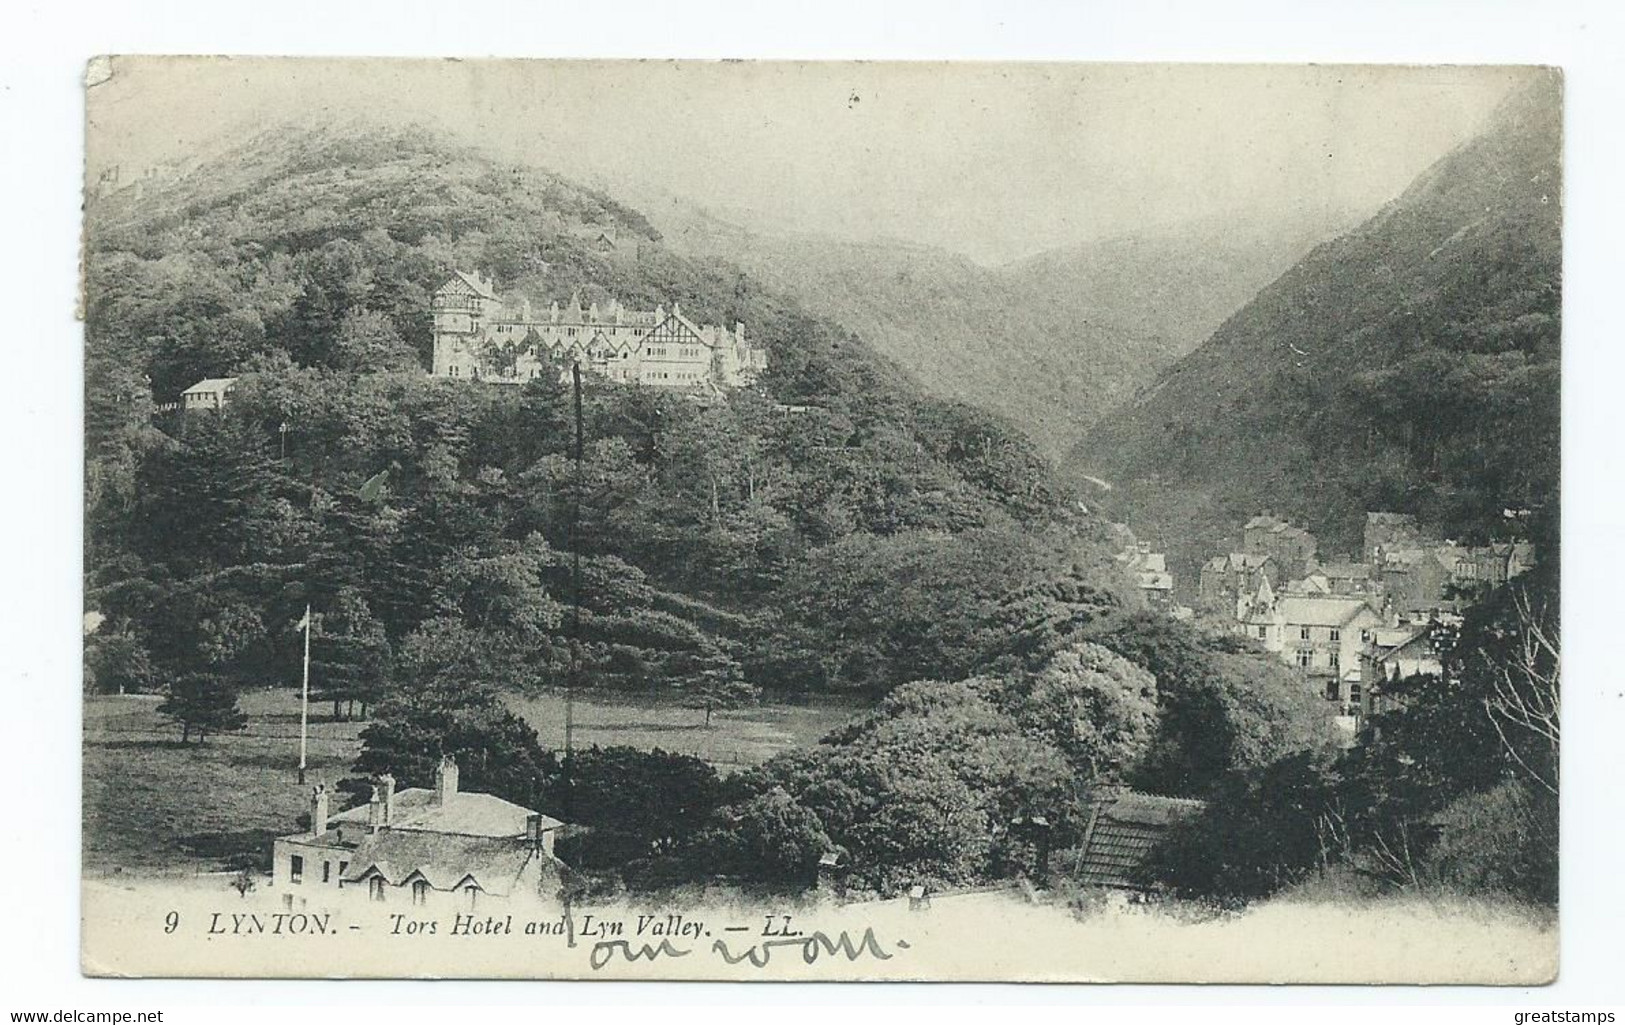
(994, 161)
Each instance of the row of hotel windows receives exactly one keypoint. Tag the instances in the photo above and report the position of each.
(662, 375)
(456, 371)
(569, 332)
(1332, 634)
(377, 888)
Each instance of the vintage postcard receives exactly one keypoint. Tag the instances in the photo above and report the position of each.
(821, 521)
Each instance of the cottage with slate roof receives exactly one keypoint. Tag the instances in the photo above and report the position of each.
(420, 847)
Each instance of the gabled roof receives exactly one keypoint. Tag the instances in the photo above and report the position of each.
(1391, 647)
(467, 814)
(685, 330)
(1321, 610)
(443, 860)
(1405, 558)
(1144, 561)
(469, 282)
(1314, 583)
(211, 384)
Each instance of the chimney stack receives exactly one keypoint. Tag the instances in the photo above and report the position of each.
(445, 781)
(386, 787)
(318, 810)
(375, 813)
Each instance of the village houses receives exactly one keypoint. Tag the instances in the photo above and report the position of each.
(1418, 573)
(1149, 571)
(1290, 547)
(1224, 578)
(420, 847)
(1322, 634)
(1397, 652)
(1353, 625)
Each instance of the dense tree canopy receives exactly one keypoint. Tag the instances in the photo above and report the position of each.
(832, 528)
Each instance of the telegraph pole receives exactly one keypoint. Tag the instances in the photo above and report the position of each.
(304, 698)
(575, 583)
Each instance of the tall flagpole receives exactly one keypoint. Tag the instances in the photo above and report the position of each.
(304, 699)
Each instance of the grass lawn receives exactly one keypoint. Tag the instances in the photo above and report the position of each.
(744, 736)
(153, 806)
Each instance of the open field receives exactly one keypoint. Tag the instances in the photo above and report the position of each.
(153, 806)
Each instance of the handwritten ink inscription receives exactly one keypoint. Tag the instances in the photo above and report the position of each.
(606, 939)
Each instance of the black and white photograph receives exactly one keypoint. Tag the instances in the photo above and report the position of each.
(984, 521)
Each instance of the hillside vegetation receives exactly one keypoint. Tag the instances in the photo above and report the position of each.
(1411, 365)
(419, 515)
(834, 529)
(1050, 342)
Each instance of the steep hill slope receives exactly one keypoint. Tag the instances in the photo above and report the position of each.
(426, 514)
(267, 246)
(1050, 342)
(1411, 364)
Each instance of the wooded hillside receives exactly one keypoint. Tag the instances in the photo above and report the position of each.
(1410, 365)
